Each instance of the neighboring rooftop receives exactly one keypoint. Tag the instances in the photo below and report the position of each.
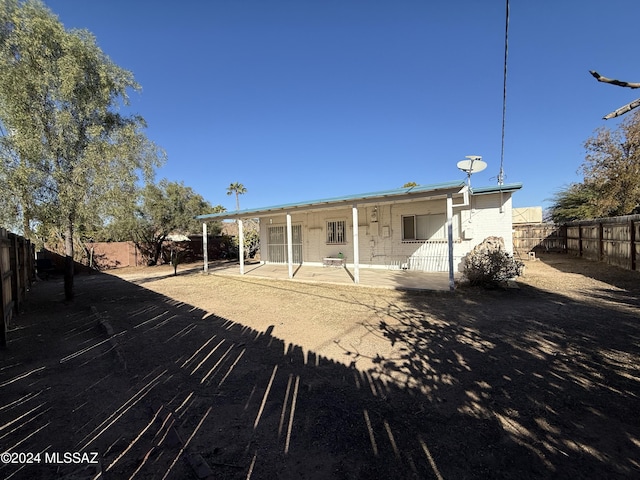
(527, 215)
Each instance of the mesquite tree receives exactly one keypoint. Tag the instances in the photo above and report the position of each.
(611, 171)
(67, 152)
(160, 210)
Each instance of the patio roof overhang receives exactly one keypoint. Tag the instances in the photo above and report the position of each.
(440, 190)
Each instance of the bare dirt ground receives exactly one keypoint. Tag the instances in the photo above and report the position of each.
(233, 378)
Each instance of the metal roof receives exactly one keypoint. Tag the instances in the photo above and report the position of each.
(509, 187)
(408, 193)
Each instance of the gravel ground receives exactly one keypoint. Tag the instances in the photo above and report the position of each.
(227, 377)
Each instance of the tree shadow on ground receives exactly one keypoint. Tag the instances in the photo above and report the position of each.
(622, 284)
(543, 385)
(488, 384)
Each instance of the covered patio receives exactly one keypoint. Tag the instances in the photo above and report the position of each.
(401, 238)
(290, 261)
(370, 277)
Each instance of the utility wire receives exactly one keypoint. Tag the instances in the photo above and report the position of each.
(504, 95)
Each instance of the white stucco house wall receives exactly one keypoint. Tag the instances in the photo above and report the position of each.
(406, 228)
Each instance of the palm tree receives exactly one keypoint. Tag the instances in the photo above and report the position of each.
(238, 189)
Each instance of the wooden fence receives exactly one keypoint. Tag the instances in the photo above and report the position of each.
(614, 240)
(17, 271)
(539, 238)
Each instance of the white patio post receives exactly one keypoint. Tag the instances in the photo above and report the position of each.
(241, 245)
(450, 239)
(289, 246)
(205, 247)
(356, 246)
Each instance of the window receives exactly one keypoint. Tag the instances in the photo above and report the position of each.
(336, 232)
(409, 227)
(426, 227)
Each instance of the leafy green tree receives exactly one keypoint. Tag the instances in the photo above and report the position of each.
(575, 202)
(612, 168)
(251, 234)
(611, 171)
(161, 210)
(238, 189)
(409, 184)
(67, 153)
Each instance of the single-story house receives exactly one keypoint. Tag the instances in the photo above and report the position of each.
(427, 228)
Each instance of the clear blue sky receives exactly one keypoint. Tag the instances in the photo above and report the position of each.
(307, 99)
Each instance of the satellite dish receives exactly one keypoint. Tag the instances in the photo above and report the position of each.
(473, 164)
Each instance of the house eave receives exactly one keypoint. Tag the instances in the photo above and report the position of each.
(505, 188)
(390, 196)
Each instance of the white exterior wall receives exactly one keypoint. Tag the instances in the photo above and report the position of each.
(380, 242)
(489, 215)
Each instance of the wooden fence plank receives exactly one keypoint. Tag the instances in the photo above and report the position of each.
(615, 240)
(635, 244)
(542, 237)
(5, 286)
(15, 271)
(16, 274)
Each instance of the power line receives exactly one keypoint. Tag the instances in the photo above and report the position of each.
(504, 94)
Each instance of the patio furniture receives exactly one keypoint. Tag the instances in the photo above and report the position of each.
(334, 262)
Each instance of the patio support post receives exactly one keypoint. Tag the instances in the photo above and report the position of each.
(205, 248)
(450, 239)
(289, 246)
(241, 245)
(356, 250)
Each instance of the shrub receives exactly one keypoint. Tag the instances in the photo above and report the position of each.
(488, 263)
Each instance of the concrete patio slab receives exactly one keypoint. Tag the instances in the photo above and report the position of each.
(369, 277)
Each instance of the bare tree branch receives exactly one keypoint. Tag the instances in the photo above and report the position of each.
(622, 110)
(613, 81)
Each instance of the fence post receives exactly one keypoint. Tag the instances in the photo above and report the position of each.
(600, 242)
(579, 239)
(15, 271)
(632, 245)
(24, 268)
(3, 315)
(4, 307)
(25, 265)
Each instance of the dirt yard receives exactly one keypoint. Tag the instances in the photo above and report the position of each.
(232, 378)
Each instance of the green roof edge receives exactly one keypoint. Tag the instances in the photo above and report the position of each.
(362, 196)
